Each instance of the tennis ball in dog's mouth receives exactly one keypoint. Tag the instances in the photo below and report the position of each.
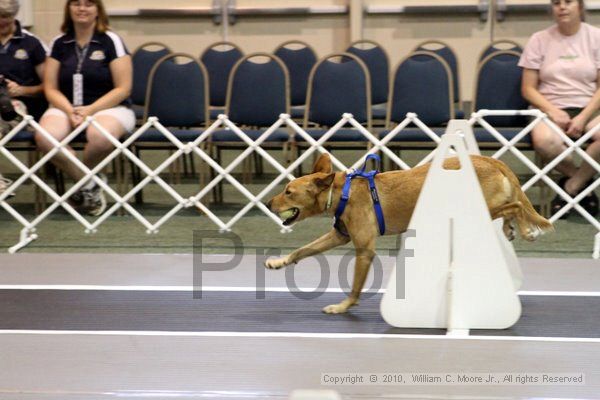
(286, 214)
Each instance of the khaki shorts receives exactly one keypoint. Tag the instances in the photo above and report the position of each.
(124, 115)
(573, 112)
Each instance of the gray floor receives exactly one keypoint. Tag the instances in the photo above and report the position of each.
(54, 364)
(579, 275)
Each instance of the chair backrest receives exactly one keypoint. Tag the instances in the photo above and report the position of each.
(422, 83)
(143, 59)
(335, 88)
(258, 92)
(500, 45)
(443, 50)
(299, 58)
(498, 87)
(178, 93)
(219, 58)
(377, 61)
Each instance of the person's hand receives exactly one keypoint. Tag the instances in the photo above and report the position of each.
(75, 119)
(560, 118)
(78, 115)
(14, 89)
(83, 111)
(576, 126)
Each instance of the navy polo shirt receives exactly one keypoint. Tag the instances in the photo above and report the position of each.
(97, 78)
(18, 59)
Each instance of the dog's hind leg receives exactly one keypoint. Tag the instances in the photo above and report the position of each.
(365, 252)
(512, 212)
(326, 242)
(509, 213)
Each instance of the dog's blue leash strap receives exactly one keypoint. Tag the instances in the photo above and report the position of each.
(343, 201)
(376, 203)
(373, 189)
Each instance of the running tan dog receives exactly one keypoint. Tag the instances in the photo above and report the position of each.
(398, 191)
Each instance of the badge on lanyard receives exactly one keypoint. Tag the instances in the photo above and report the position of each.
(78, 76)
(77, 89)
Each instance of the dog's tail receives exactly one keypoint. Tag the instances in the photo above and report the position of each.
(535, 221)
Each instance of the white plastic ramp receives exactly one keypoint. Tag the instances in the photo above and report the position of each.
(512, 261)
(463, 128)
(459, 277)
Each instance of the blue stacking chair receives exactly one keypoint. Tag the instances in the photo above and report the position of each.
(143, 59)
(443, 50)
(498, 87)
(339, 83)
(377, 61)
(422, 84)
(257, 93)
(299, 58)
(335, 88)
(178, 95)
(500, 45)
(219, 58)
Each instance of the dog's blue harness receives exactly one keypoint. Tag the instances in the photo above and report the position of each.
(372, 188)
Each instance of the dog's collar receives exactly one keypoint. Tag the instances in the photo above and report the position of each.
(329, 197)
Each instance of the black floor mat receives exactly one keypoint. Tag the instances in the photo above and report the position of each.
(543, 316)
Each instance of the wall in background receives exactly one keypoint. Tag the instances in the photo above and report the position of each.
(398, 33)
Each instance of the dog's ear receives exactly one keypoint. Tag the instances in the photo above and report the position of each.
(323, 164)
(324, 183)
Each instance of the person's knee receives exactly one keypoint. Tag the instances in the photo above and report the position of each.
(97, 141)
(548, 144)
(53, 127)
(547, 149)
(42, 142)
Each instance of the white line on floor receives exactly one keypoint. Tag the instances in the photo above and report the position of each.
(159, 288)
(297, 335)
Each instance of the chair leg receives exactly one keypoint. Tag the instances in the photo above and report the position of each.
(218, 193)
(245, 168)
(202, 171)
(32, 158)
(299, 169)
(178, 169)
(136, 177)
(120, 179)
(58, 178)
(171, 169)
(545, 192)
(192, 164)
(184, 160)
(258, 162)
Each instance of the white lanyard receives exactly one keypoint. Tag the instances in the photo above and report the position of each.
(78, 76)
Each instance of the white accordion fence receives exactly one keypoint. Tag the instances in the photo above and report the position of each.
(28, 233)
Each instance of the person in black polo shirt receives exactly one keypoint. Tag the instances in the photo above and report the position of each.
(88, 73)
(22, 57)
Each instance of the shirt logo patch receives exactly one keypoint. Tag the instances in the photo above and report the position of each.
(569, 58)
(97, 55)
(21, 54)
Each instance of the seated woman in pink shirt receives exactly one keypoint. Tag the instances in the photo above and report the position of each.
(561, 77)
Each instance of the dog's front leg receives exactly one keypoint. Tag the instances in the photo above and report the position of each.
(365, 252)
(328, 241)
